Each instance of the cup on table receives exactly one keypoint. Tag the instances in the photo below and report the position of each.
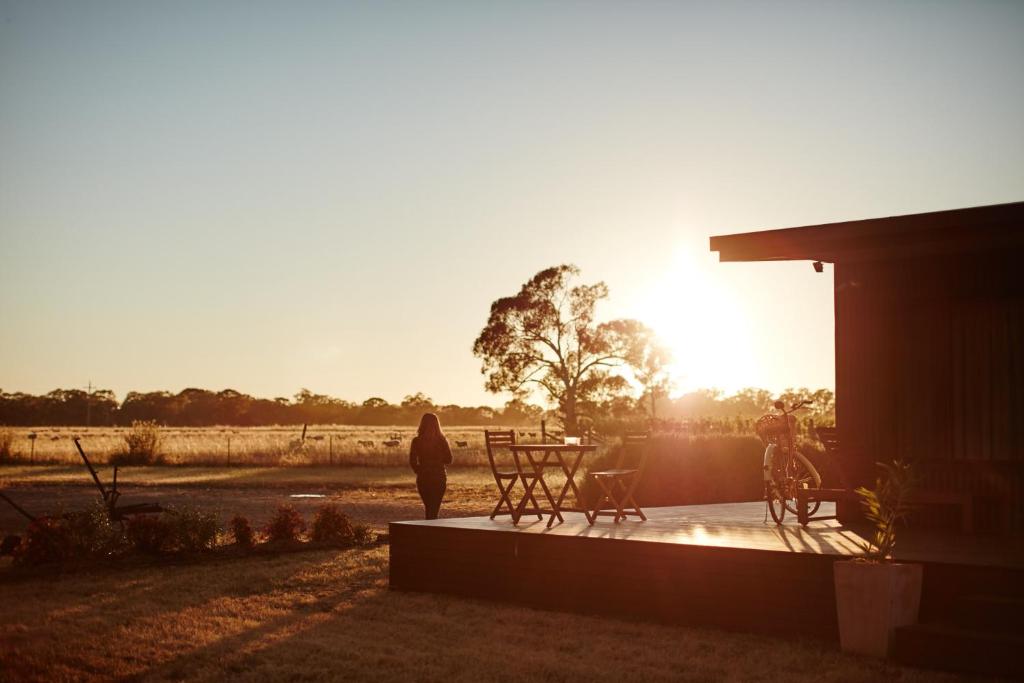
(571, 441)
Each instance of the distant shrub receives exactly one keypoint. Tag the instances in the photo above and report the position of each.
(6, 442)
(242, 532)
(193, 530)
(286, 524)
(142, 445)
(149, 534)
(332, 526)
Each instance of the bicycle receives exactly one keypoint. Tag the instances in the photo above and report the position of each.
(785, 469)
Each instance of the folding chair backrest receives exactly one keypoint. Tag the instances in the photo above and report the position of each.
(495, 440)
(634, 444)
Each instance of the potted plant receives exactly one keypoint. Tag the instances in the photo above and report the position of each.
(874, 593)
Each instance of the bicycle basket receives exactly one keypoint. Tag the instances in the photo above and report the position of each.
(770, 427)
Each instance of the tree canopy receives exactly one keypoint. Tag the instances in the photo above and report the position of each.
(546, 337)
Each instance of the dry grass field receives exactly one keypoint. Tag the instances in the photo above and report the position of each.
(328, 615)
(261, 446)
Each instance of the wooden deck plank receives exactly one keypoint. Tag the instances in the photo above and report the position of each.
(741, 525)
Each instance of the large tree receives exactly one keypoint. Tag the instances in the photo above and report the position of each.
(546, 336)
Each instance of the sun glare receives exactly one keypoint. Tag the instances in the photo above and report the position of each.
(705, 326)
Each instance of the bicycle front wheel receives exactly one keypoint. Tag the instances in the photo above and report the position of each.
(776, 502)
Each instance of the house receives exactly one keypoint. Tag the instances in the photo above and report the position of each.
(929, 344)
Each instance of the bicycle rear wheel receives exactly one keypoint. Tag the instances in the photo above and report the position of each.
(800, 474)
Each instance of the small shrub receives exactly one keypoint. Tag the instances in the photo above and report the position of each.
(6, 443)
(193, 530)
(72, 536)
(286, 525)
(150, 534)
(142, 445)
(242, 532)
(92, 534)
(46, 541)
(332, 526)
(362, 534)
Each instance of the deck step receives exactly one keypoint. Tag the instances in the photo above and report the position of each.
(955, 648)
(995, 613)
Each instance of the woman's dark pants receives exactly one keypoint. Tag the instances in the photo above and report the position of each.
(431, 486)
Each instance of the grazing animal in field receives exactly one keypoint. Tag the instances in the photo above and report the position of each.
(396, 437)
(318, 437)
(533, 433)
(391, 443)
(462, 444)
(365, 444)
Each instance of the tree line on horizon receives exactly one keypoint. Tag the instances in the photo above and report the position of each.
(201, 407)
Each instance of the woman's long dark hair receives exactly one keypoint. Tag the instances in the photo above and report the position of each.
(430, 428)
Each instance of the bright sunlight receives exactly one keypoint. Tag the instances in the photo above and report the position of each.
(706, 327)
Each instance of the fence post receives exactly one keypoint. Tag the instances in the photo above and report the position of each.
(229, 450)
(543, 432)
(330, 447)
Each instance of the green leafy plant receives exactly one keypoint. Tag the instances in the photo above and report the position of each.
(885, 506)
(142, 445)
(242, 531)
(286, 525)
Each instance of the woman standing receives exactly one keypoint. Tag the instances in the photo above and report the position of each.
(428, 455)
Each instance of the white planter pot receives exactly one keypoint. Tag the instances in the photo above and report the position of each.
(872, 600)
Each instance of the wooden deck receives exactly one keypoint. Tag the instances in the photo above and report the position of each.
(718, 565)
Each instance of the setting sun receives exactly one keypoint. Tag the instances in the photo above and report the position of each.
(703, 324)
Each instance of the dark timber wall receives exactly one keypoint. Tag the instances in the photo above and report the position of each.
(930, 367)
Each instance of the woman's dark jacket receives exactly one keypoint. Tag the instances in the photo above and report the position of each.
(429, 456)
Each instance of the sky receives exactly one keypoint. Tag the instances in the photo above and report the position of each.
(268, 196)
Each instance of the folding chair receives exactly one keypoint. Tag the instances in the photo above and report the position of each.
(617, 485)
(506, 479)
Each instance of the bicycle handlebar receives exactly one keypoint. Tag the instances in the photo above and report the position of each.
(779, 405)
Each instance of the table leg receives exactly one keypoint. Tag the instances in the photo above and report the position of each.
(539, 469)
(528, 487)
(570, 483)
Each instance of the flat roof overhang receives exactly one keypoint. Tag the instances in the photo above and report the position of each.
(996, 227)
